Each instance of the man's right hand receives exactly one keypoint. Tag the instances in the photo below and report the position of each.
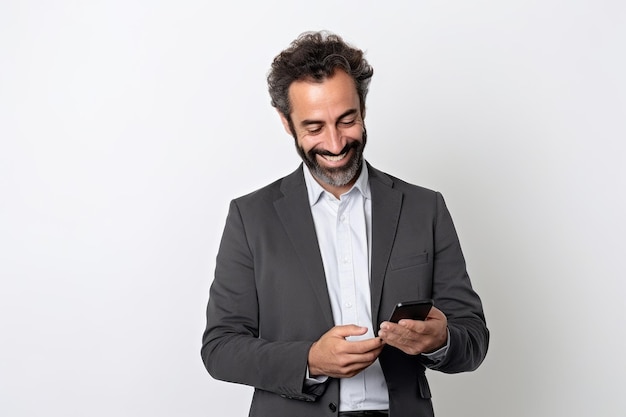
(334, 356)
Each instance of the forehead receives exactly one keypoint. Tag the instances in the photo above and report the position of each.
(334, 95)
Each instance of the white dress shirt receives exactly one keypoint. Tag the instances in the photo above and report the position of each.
(344, 233)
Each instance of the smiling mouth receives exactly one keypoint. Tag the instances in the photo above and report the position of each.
(334, 158)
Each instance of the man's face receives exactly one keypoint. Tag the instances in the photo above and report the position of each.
(327, 125)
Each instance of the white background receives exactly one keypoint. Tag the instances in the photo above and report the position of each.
(127, 126)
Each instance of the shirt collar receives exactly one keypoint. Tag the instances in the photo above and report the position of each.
(315, 190)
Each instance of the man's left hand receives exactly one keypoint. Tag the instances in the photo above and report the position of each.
(416, 336)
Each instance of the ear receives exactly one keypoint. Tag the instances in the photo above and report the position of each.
(285, 123)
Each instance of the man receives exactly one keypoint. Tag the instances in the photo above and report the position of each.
(310, 267)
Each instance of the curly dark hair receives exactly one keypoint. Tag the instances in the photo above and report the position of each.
(316, 56)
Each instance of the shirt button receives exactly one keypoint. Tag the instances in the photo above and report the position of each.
(348, 304)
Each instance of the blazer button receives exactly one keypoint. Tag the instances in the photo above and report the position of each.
(333, 407)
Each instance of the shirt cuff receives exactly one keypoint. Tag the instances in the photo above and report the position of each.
(310, 380)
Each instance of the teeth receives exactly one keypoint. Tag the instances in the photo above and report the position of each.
(334, 158)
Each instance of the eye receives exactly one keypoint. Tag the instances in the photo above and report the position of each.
(347, 122)
(314, 130)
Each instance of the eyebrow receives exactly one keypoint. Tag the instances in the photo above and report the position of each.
(347, 113)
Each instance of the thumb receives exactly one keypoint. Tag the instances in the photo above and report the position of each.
(348, 330)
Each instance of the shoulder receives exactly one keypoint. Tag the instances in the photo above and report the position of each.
(387, 180)
(417, 199)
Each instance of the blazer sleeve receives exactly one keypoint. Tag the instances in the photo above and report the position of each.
(232, 349)
(453, 294)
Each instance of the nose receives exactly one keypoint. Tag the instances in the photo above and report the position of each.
(335, 142)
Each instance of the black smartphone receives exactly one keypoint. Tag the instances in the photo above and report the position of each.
(414, 310)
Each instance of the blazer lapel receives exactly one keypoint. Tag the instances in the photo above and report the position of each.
(386, 206)
(294, 212)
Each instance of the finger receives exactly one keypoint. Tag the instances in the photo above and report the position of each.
(415, 325)
(362, 359)
(404, 339)
(395, 334)
(348, 330)
(364, 346)
(416, 336)
(387, 328)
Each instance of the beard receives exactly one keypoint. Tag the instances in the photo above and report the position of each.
(340, 176)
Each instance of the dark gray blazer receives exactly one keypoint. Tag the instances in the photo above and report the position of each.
(269, 302)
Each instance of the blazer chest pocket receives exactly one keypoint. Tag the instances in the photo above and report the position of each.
(409, 261)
